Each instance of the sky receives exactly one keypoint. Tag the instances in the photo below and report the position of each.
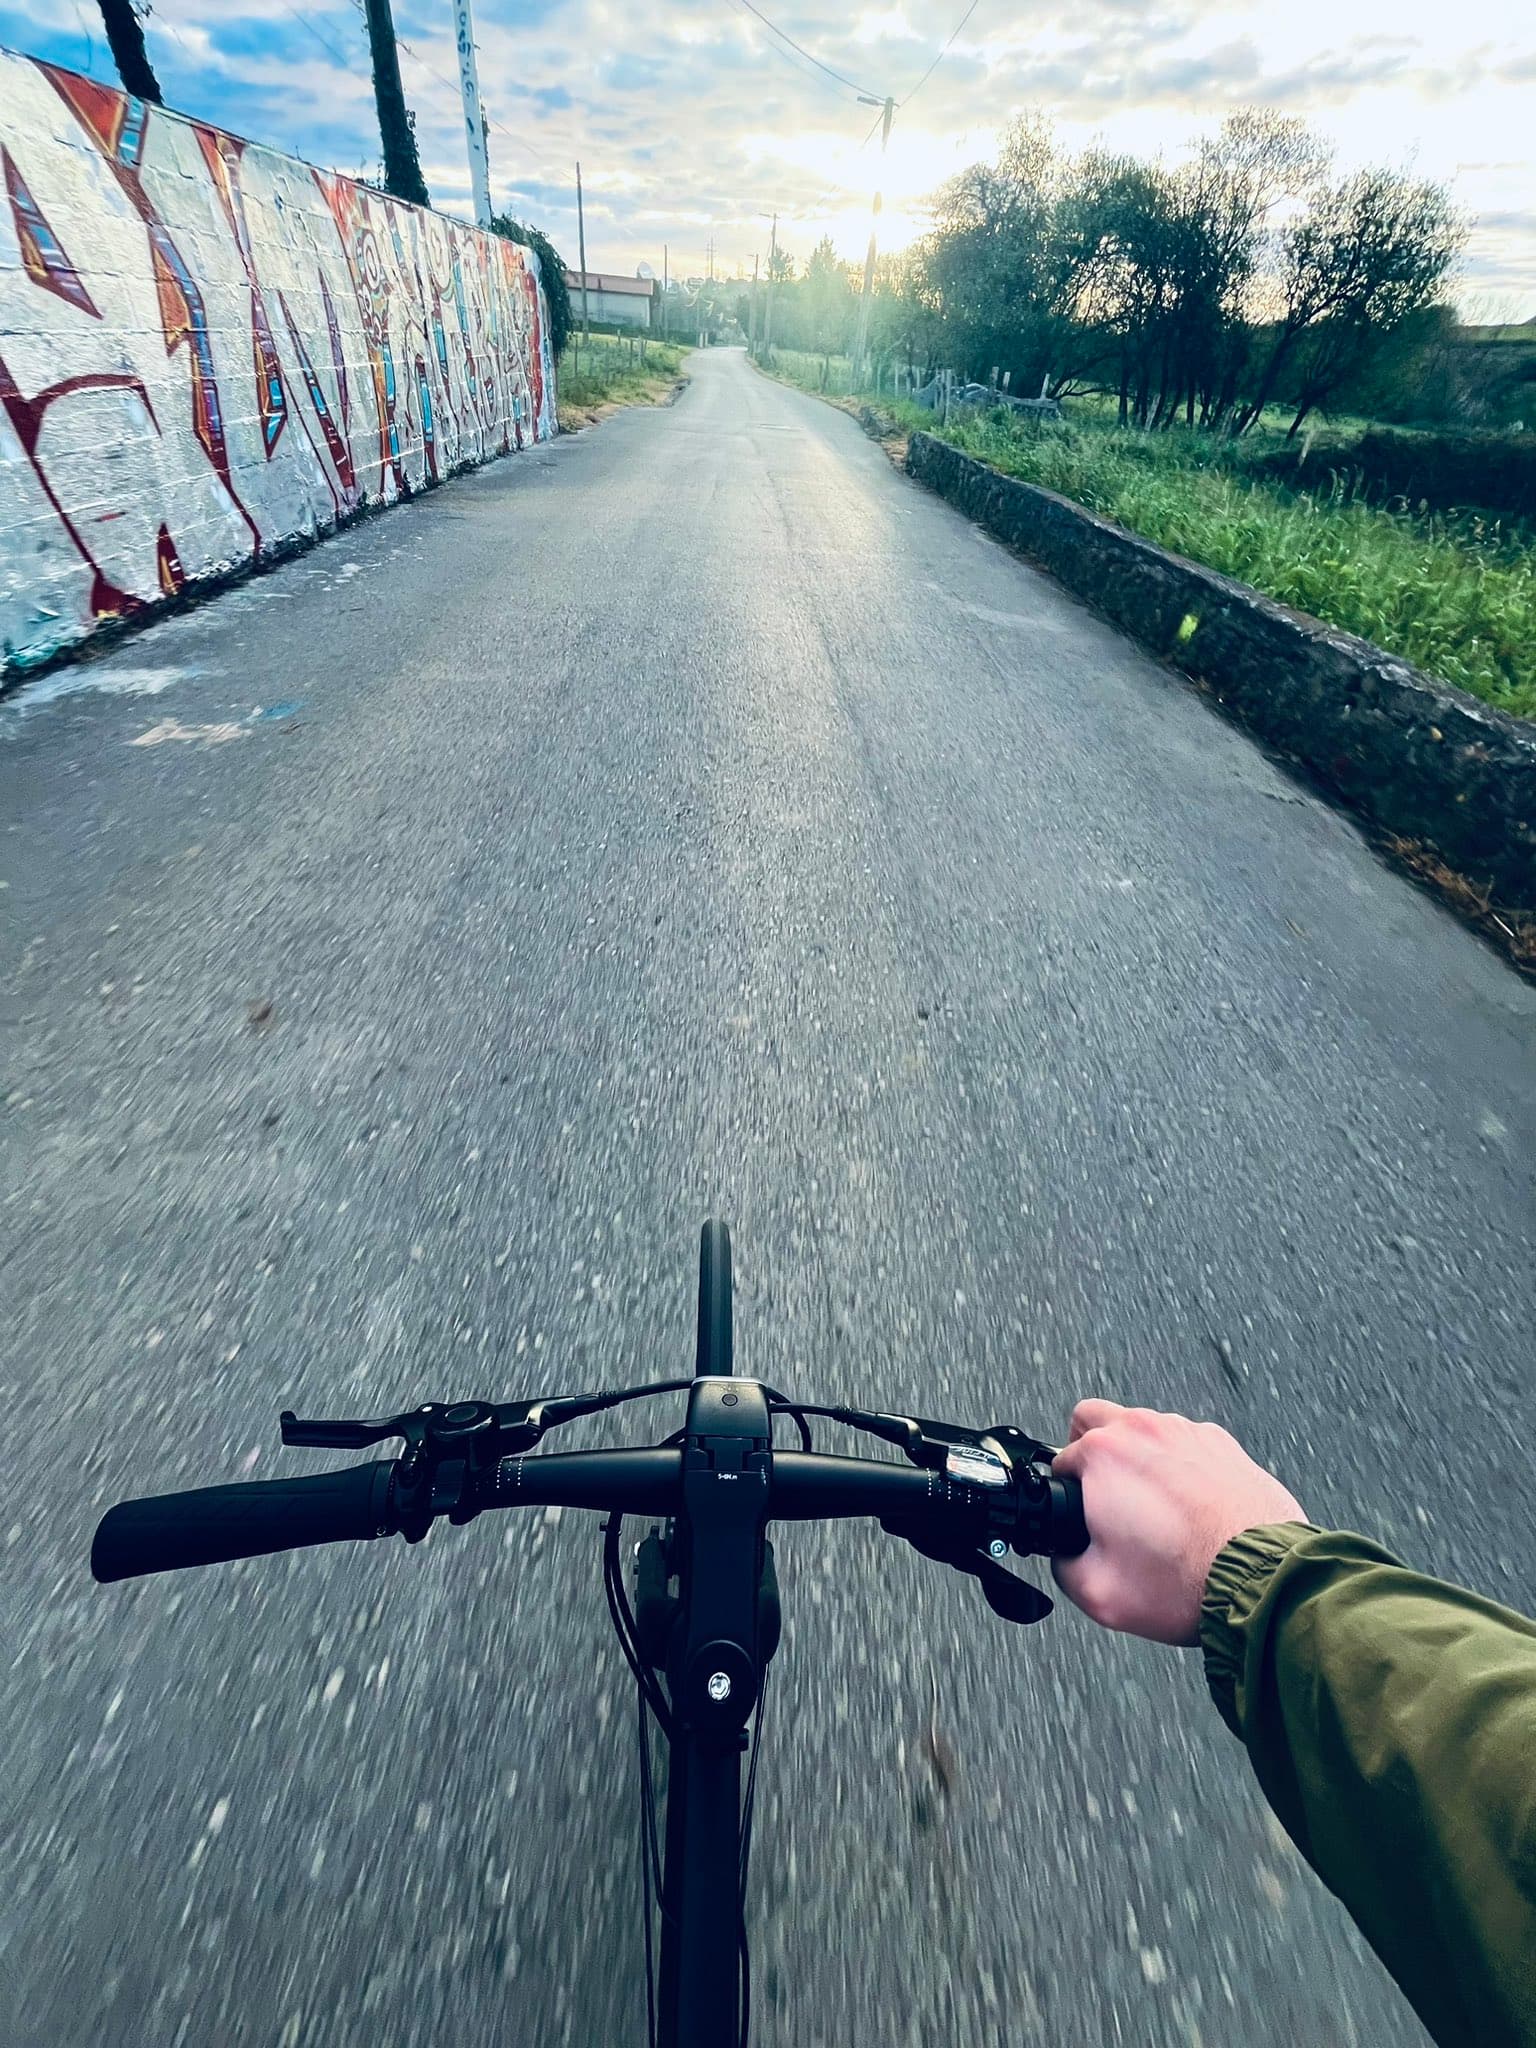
(692, 121)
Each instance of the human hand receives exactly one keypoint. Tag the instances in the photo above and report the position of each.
(1161, 1495)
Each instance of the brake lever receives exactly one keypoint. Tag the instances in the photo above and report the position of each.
(1008, 1596)
(447, 1444)
(337, 1435)
(511, 1426)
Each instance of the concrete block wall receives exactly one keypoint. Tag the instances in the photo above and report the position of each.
(211, 352)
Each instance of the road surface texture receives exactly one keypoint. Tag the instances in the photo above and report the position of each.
(695, 816)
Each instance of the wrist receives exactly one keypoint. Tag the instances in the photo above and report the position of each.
(1234, 1585)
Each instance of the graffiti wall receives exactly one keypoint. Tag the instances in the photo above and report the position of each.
(209, 351)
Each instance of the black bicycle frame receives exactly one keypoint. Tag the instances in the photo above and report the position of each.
(718, 1651)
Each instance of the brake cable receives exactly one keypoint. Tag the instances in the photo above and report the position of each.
(1002, 1461)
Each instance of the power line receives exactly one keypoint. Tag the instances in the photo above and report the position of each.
(304, 21)
(960, 24)
(490, 119)
(799, 48)
(447, 83)
(90, 41)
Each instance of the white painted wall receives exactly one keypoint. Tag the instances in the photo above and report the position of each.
(209, 351)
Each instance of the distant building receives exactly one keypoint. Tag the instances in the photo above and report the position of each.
(613, 301)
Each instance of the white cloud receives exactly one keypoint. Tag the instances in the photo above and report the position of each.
(690, 120)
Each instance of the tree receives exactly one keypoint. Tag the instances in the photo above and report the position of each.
(906, 320)
(827, 303)
(1197, 292)
(125, 35)
(1409, 374)
(1222, 203)
(1161, 263)
(1369, 250)
(781, 267)
(1115, 233)
(557, 295)
(903, 320)
(992, 260)
(397, 128)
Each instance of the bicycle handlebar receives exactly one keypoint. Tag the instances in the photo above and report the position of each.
(215, 1525)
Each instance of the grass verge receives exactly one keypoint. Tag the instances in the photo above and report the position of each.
(603, 375)
(1453, 593)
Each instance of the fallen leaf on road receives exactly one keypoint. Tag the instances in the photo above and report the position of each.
(259, 1014)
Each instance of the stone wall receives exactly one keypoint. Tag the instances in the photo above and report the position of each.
(1413, 756)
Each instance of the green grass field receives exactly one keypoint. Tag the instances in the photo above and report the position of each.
(607, 372)
(1453, 593)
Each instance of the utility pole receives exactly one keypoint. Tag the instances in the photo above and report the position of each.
(773, 278)
(402, 166)
(581, 244)
(125, 34)
(862, 344)
(474, 119)
(752, 317)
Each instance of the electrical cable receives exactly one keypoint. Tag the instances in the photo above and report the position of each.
(960, 24)
(800, 50)
(622, 1616)
(647, 1838)
(744, 1860)
(780, 1404)
(651, 1874)
(347, 63)
(447, 83)
(652, 1840)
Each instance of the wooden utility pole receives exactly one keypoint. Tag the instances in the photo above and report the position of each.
(402, 166)
(752, 316)
(581, 244)
(125, 34)
(861, 346)
(773, 278)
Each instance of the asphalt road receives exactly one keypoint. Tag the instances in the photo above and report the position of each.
(695, 815)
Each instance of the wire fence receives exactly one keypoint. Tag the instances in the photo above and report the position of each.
(834, 375)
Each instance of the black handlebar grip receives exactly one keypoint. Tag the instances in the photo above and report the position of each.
(218, 1523)
(1069, 1529)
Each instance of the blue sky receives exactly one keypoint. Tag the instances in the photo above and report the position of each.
(690, 121)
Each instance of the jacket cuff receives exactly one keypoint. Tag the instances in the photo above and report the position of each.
(1234, 1586)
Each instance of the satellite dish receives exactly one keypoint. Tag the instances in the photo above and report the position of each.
(646, 273)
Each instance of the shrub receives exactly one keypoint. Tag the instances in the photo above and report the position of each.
(552, 271)
(1446, 472)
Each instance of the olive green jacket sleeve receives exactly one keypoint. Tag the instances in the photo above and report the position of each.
(1391, 1720)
